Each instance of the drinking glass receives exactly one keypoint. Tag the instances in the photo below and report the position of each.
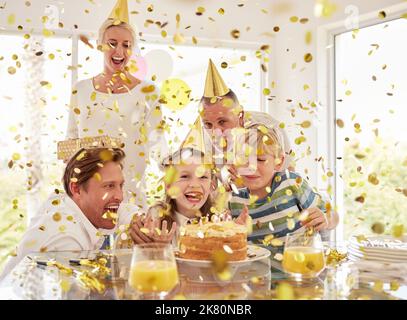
(303, 255)
(153, 271)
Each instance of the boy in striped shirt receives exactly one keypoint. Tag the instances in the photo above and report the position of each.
(281, 202)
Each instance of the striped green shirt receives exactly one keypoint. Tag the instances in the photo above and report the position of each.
(278, 213)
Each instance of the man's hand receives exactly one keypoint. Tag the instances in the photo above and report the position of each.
(137, 230)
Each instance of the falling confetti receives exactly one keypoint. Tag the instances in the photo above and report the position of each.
(176, 94)
(308, 57)
(235, 34)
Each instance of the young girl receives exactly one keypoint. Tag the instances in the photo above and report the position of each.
(282, 201)
(189, 182)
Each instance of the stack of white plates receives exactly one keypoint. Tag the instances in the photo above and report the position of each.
(379, 249)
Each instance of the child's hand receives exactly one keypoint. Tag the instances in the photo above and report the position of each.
(162, 235)
(243, 216)
(245, 219)
(316, 219)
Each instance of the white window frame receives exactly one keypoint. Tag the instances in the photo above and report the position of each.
(326, 135)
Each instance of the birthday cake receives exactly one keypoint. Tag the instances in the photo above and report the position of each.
(201, 241)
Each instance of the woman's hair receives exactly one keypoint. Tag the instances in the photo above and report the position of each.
(86, 162)
(165, 210)
(111, 23)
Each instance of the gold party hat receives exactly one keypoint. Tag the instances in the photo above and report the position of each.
(120, 12)
(67, 148)
(214, 85)
(195, 137)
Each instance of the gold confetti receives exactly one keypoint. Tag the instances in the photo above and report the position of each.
(148, 89)
(333, 256)
(278, 256)
(174, 192)
(397, 230)
(224, 65)
(324, 8)
(56, 217)
(97, 176)
(394, 285)
(372, 178)
(290, 224)
(55, 202)
(145, 230)
(16, 156)
(200, 11)
(106, 155)
(284, 291)
(300, 140)
(382, 14)
(305, 124)
(308, 57)
(378, 227)
(85, 40)
(47, 33)
(11, 70)
(11, 19)
(378, 286)
(221, 11)
(293, 19)
(65, 285)
(178, 38)
(220, 265)
(235, 33)
(340, 123)
(276, 242)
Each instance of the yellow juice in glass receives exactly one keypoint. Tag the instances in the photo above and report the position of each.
(303, 260)
(154, 276)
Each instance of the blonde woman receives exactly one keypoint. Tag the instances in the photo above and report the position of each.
(117, 104)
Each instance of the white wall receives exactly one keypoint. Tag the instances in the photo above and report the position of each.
(255, 20)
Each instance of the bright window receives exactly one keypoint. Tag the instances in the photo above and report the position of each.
(371, 139)
(33, 89)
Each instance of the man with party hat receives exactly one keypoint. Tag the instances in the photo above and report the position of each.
(224, 118)
(82, 217)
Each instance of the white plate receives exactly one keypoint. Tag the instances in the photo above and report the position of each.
(256, 253)
(381, 244)
(381, 258)
(381, 253)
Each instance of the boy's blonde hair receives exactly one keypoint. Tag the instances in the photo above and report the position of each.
(111, 23)
(269, 140)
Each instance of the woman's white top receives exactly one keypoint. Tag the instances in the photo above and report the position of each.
(133, 117)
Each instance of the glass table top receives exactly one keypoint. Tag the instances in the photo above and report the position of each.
(67, 279)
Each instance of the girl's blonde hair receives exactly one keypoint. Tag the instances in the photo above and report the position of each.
(165, 210)
(111, 23)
